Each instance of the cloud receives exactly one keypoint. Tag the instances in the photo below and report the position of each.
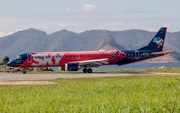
(89, 7)
(77, 22)
(68, 9)
(2, 34)
(115, 25)
(179, 3)
(168, 25)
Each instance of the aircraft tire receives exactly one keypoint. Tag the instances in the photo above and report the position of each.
(89, 70)
(85, 70)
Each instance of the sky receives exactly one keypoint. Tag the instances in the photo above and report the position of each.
(81, 15)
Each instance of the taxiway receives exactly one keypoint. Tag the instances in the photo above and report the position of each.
(16, 76)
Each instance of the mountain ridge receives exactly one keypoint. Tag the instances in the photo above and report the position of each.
(106, 42)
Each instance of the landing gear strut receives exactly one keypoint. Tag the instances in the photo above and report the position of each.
(24, 71)
(85, 70)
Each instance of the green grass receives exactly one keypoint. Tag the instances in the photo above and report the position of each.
(3, 65)
(167, 70)
(147, 93)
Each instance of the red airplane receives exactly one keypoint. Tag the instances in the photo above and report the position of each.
(73, 61)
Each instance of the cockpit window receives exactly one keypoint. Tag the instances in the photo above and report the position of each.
(18, 57)
(17, 61)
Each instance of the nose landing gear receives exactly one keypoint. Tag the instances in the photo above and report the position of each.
(89, 70)
(24, 71)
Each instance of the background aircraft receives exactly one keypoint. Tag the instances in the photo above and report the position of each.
(73, 61)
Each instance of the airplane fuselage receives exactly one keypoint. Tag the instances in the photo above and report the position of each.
(72, 61)
(59, 59)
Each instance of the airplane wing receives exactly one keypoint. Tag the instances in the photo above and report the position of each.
(93, 63)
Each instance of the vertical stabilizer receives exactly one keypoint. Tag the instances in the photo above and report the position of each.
(157, 42)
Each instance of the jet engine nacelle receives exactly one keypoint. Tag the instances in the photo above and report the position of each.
(72, 66)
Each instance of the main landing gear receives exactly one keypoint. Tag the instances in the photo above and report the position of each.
(24, 71)
(85, 70)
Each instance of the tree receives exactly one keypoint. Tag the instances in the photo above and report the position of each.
(6, 59)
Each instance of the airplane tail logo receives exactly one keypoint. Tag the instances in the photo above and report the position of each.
(158, 41)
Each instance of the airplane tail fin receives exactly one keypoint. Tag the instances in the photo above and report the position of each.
(157, 42)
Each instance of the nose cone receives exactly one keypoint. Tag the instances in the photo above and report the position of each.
(11, 63)
(8, 64)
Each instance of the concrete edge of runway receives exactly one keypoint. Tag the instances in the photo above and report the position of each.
(49, 76)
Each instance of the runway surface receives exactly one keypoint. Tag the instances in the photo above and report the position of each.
(16, 76)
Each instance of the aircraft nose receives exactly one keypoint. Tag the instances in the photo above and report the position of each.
(8, 64)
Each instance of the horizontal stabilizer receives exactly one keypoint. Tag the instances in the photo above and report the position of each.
(162, 52)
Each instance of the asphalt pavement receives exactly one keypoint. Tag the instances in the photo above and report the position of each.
(48, 76)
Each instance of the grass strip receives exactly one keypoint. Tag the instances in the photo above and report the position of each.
(150, 93)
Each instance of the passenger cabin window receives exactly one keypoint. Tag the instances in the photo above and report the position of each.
(146, 54)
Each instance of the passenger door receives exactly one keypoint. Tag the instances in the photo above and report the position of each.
(137, 55)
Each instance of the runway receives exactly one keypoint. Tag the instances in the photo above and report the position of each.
(16, 76)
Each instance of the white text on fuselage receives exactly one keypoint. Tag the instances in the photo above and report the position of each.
(43, 59)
